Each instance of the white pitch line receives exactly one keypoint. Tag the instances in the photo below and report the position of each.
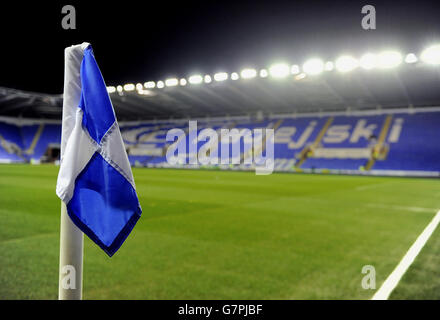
(393, 279)
(406, 208)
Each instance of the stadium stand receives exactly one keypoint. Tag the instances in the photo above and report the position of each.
(398, 141)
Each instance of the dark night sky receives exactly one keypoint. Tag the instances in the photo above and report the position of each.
(136, 42)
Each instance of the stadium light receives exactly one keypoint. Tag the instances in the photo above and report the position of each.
(386, 59)
(313, 66)
(411, 58)
(221, 76)
(279, 70)
(129, 87)
(368, 61)
(196, 79)
(263, 73)
(329, 66)
(431, 55)
(389, 59)
(235, 76)
(346, 64)
(149, 84)
(294, 69)
(208, 79)
(171, 82)
(248, 73)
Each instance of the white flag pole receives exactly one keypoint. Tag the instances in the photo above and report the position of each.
(71, 237)
(71, 258)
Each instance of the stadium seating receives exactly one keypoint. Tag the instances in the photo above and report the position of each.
(405, 142)
(11, 143)
(27, 142)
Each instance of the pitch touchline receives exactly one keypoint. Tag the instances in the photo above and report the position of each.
(393, 279)
(407, 208)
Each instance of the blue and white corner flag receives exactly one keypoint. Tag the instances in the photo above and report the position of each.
(95, 179)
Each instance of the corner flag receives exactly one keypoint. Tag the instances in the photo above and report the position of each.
(95, 180)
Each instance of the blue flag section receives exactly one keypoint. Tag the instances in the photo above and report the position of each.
(95, 179)
(95, 101)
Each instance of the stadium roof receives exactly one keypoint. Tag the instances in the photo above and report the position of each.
(346, 84)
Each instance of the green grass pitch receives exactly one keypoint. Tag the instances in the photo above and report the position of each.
(228, 235)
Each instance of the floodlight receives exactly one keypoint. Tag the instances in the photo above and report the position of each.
(208, 79)
(183, 82)
(160, 84)
(221, 76)
(329, 66)
(119, 88)
(313, 66)
(149, 84)
(129, 87)
(294, 69)
(389, 59)
(111, 89)
(368, 61)
(171, 82)
(346, 64)
(279, 70)
(196, 79)
(263, 73)
(411, 58)
(431, 55)
(248, 73)
(234, 76)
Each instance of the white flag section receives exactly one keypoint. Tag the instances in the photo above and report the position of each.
(95, 181)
